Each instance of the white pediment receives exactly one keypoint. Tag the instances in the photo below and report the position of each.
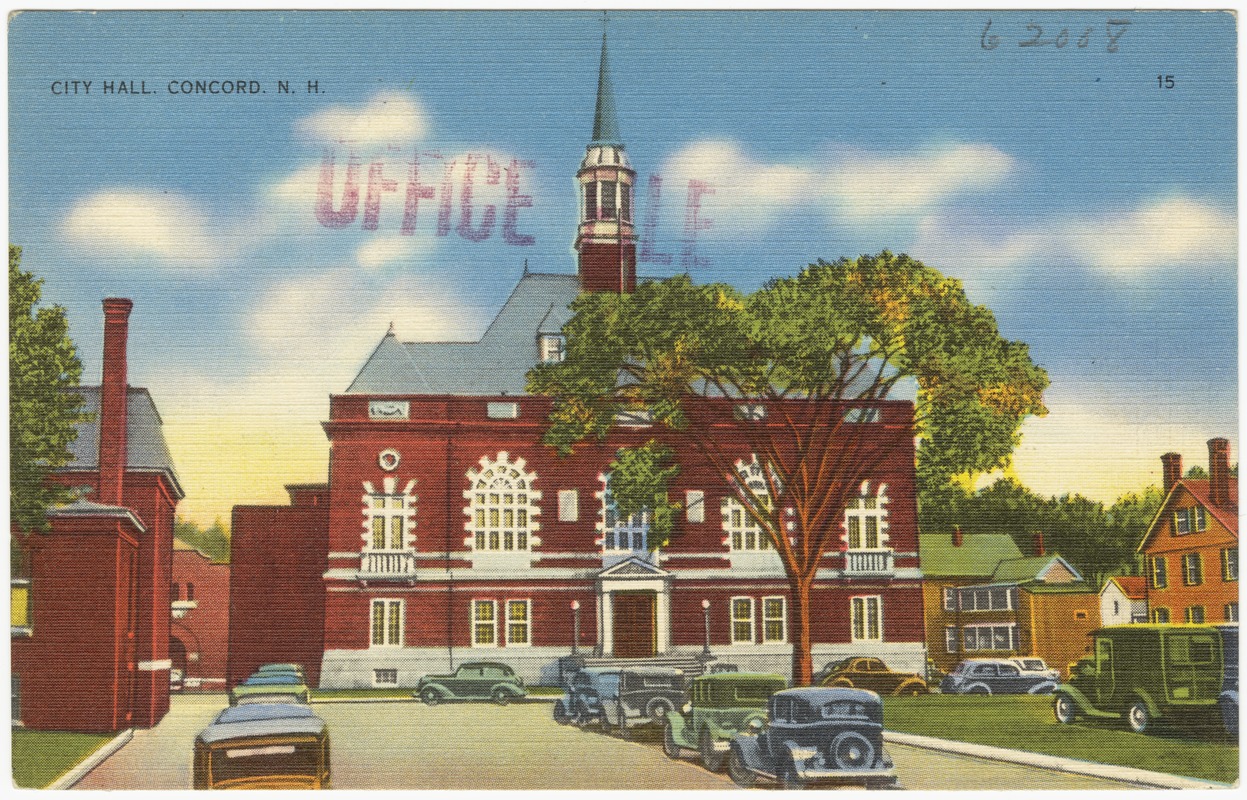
(633, 567)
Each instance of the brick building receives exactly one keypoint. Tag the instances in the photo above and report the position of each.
(90, 618)
(199, 637)
(447, 531)
(1191, 548)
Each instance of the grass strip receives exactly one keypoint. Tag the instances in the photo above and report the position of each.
(40, 757)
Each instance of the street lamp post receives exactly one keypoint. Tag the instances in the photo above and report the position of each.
(575, 625)
(705, 612)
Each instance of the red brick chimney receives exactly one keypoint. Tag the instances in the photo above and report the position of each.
(957, 536)
(113, 390)
(1039, 549)
(1219, 472)
(1172, 468)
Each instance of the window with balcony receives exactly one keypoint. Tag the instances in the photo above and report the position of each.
(502, 505)
(866, 520)
(389, 520)
(866, 617)
(387, 623)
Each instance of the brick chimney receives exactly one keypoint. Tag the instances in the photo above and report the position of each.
(957, 536)
(1172, 468)
(1219, 472)
(113, 390)
(1039, 549)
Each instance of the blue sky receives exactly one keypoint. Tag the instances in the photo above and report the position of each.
(1093, 210)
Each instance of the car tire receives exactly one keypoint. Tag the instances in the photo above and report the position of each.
(911, 689)
(1064, 710)
(844, 683)
(669, 744)
(501, 696)
(1138, 717)
(788, 777)
(431, 697)
(657, 710)
(979, 690)
(740, 774)
(710, 759)
(560, 713)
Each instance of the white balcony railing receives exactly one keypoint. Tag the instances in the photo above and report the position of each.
(868, 562)
(388, 563)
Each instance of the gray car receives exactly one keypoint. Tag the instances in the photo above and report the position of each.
(995, 676)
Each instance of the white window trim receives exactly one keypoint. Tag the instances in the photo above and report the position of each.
(949, 598)
(783, 619)
(385, 603)
(528, 621)
(952, 639)
(733, 619)
(488, 473)
(695, 506)
(991, 626)
(610, 534)
(472, 621)
(856, 509)
(865, 617)
(389, 491)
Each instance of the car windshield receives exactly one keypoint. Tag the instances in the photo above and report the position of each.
(1034, 664)
(845, 708)
(232, 762)
(738, 693)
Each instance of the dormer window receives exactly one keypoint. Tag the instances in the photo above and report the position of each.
(552, 348)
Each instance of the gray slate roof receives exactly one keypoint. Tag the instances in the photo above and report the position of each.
(495, 365)
(146, 450)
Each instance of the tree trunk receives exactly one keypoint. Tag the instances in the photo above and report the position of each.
(799, 632)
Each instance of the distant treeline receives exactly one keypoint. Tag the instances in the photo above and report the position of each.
(212, 541)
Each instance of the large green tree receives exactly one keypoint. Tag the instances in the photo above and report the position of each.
(43, 413)
(807, 347)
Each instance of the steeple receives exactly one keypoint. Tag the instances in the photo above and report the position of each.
(605, 238)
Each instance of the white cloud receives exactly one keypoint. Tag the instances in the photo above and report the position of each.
(864, 185)
(380, 250)
(141, 224)
(745, 192)
(1160, 233)
(388, 118)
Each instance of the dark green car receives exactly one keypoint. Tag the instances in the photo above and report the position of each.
(475, 680)
(1143, 674)
(719, 706)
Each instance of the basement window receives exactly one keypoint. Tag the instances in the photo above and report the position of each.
(385, 677)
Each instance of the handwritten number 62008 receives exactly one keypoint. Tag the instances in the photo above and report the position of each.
(1114, 29)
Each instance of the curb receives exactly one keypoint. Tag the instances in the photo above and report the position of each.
(80, 770)
(517, 701)
(1140, 777)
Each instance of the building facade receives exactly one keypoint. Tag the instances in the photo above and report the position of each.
(1191, 548)
(1123, 600)
(90, 621)
(199, 638)
(451, 533)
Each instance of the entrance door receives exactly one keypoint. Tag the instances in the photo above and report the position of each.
(633, 629)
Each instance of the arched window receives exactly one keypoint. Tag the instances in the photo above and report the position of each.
(502, 504)
(866, 519)
(620, 534)
(743, 532)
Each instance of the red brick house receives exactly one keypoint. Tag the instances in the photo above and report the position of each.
(90, 622)
(448, 532)
(1191, 549)
(199, 637)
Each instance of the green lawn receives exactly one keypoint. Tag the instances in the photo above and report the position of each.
(40, 757)
(339, 694)
(1026, 723)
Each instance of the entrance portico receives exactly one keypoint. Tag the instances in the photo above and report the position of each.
(634, 609)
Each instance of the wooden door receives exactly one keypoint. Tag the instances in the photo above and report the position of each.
(633, 626)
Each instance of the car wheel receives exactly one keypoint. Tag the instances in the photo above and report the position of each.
(502, 696)
(711, 759)
(1138, 717)
(657, 710)
(842, 682)
(980, 689)
(669, 745)
(740, 774)
(788, 777)
(1064, 710)
(851, 750)
(560, 713)
(911, 689)
(430, 697)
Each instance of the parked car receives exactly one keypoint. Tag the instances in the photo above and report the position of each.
(273, 746)
(270, 669)
(1227, 701)
(813, 736)
(718, 707)
(872, 674)
(994, 676)
(1031, 665)
(475, 680)
(645, 695)
(583, 701)
(254, 711)
(1144, 674)
(285, 684)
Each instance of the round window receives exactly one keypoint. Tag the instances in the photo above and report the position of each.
(388, 459)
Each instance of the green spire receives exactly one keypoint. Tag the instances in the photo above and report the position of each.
(605, 125)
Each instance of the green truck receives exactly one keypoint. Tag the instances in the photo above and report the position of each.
(719, 706)
(1144, 674)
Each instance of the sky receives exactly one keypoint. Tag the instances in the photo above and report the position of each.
(1040, 157)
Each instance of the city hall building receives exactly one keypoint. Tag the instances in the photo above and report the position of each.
(447, 532)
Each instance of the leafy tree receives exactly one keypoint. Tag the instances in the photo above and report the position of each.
(1197, 473)
(813, 347)
(43, 413)
(212, 541)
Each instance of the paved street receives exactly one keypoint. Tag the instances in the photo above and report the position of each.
(483, 746)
